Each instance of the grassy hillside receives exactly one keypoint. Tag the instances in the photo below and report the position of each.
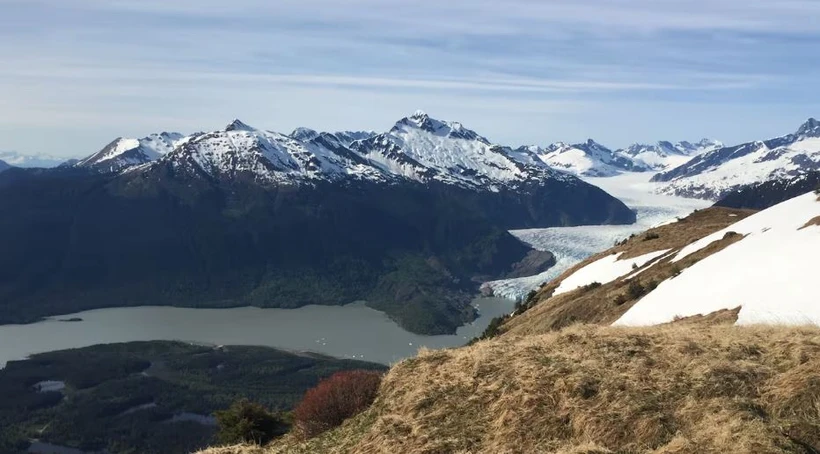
(588, 389)
(555, 378)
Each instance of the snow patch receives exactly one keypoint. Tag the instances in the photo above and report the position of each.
(771, 273)
(605, 270)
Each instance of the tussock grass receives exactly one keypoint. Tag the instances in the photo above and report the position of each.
(592, 389)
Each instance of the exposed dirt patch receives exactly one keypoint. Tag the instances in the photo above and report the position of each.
(721, 317)
(812, 222)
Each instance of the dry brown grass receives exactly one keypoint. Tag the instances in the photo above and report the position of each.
(720, 317)
(590, 389)
(687, 230)
(813, 221)
(602, 305)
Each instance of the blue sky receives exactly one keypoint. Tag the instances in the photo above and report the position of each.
(77, 73)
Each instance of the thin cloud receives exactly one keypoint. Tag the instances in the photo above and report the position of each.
(115, 67)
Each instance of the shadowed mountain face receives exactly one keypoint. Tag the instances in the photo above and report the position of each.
(760, 196)
(253, 224)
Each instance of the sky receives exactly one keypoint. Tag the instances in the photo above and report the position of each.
(75, 74)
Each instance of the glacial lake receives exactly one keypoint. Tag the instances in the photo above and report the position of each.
(351, 331)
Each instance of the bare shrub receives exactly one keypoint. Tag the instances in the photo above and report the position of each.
(333, 400)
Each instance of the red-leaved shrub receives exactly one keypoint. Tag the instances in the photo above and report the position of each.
(334, 399)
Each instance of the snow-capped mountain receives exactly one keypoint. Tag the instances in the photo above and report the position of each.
(777, 283)
(717, 172)
(589, 159)
(595, 160)
(665, 155)
(418, 148)
(16, 159)
(348, 137)
(240, 150)
(344, 137)
(410, 220)
(124, 152)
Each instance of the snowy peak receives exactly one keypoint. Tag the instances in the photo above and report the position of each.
(589, 158)
(238, 125)
(304, 134)
(717, 172)
(348, 137)
(665, 155)
(811, 128)
(595, 149)
(418, 148)
(303, 156)
(421, 121)
(126, 152)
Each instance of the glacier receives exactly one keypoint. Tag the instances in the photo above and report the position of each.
(574, 244)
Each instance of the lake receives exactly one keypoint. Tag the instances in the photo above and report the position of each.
(351, 331)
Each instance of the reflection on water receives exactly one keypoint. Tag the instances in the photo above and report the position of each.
(352, 331)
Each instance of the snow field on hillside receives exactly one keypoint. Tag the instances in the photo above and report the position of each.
(771, 273)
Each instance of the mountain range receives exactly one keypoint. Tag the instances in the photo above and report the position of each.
(595, 160)
(716, 173)
(411, 220)
(418, 148)
(15, 159)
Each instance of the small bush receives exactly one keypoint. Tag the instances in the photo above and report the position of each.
(334, 399)
(675, 271)
(591, 286)
(249, 422)
(634, 266)
(651, 236)
(520, 307)
(635, 289)
(620, 300)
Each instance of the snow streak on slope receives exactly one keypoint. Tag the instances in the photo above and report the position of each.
(605, 270)
(574, 244)
(771, 273)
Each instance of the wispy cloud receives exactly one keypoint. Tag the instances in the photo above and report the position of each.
(526, 70)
